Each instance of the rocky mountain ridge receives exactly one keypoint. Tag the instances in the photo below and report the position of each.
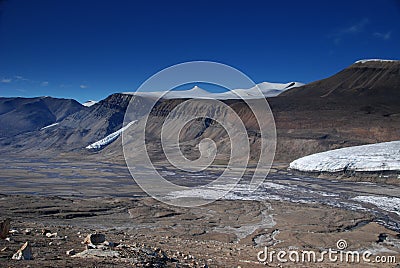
(358, 105)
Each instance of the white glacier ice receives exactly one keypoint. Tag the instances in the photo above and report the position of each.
(391, 204)
(110, 138)
(372, 157)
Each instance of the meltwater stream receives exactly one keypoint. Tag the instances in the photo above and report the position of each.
(104, 179)
(380, 199)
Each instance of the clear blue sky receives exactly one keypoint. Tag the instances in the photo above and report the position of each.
(90, 49)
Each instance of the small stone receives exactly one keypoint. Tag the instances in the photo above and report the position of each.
(27, 231)
(95, 239)
(71, 252)
(121, 246)
(24, 253)
(13, 231)
(4, 249)
(5, 228)
(51, 235)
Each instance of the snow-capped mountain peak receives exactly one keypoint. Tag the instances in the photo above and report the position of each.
(196, 88)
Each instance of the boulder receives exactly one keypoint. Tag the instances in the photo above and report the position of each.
(24, 253)
(95, 239)
(97, 253)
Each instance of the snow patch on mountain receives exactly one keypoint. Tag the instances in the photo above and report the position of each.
(264, 89)
(373, 157)
(261, 90)
(89, 103)
(49, 126)
(109, 139)
(375, 60)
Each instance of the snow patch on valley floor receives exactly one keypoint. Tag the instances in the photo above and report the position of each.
(365, 158)
(391, 204)
(110, 138)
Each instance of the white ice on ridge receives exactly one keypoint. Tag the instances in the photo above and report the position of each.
(261, 90)
(89, 103)
(49, 126)
(110, 138)
(372, 157)
(376, 60)
(267, 90)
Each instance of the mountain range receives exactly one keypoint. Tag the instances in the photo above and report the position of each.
(264, 89)
(358, 105)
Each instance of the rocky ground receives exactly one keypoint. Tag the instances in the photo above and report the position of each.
(144, 232)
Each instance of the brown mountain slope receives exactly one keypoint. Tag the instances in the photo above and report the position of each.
(371, 79)
(358, 105)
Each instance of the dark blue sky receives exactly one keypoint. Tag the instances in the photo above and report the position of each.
(90, 49)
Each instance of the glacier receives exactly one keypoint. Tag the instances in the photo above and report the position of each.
(365, 158)
(109, 139)
(387, 203)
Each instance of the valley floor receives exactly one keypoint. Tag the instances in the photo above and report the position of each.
(72, 199)
(222, 234)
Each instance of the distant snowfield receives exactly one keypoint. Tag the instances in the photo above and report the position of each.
(109, 139)
(376, 60)
(264, 89)
(373, 157)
